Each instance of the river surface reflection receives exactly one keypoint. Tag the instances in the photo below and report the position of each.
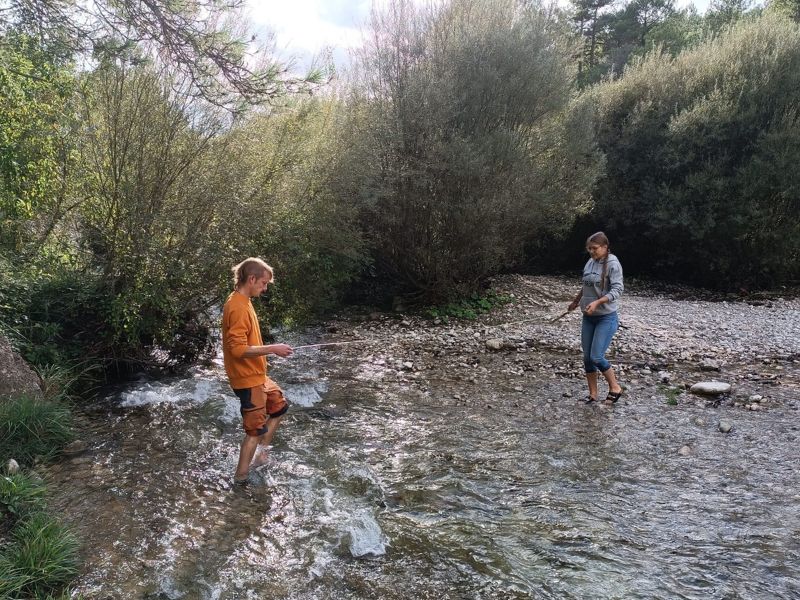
(380, 490)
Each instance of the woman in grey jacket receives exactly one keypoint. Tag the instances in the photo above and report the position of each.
(602, 287)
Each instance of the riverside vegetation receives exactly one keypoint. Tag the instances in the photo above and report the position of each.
(465, 140)
(38, 554)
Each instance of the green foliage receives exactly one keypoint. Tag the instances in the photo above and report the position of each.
(40, 560)
(459, 145)
(205, 41)
(670, 393)
(282, 207)
(681, 30)
(700, 148)
(147, 230)
(31, 428)
(20, 494)
(469, 307)
(786, 8)
(722, 14)
(54, 315)
(34, 148)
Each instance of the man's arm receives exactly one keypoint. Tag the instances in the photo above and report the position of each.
(282, 350)
(236, 339)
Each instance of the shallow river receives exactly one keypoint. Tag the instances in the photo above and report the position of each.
(380, 490)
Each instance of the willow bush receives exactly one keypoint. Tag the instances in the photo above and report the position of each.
(460, 148)
(280, 205)
(701, 181)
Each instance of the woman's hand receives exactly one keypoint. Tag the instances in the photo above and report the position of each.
(591, 307)
(573, 305)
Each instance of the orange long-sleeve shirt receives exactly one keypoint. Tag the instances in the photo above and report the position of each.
(239, 330)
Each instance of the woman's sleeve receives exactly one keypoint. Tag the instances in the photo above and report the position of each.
(615, 284)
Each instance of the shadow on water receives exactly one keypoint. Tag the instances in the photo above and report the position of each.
(376, 489)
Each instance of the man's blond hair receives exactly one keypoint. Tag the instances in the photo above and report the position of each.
(250, 266)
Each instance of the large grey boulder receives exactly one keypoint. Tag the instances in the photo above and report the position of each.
(16, 377)
(711, 388)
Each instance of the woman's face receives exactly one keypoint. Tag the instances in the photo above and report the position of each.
(597, 251)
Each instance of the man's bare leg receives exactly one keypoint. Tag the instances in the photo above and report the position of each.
(246, 452)
(265, 440)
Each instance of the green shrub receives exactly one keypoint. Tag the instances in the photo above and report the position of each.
(20, 494)
(51, 311)
(460, 147)
(41, 558)
(469, 307)
(701, 181)
(31, 428)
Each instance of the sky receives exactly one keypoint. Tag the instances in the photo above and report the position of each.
(305, 28)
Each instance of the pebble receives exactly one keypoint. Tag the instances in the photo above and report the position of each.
(494, 344)
(75, 447)
(685, 450)
(12, 467)
(725, 426)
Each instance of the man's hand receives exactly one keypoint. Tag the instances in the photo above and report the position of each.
(282, 350)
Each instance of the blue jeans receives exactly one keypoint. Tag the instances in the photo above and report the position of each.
(596, 334)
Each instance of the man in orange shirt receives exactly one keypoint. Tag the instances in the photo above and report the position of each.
(244, 353)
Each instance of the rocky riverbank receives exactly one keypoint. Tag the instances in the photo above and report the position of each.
(665, 345)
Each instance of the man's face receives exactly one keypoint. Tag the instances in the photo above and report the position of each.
(259, 284)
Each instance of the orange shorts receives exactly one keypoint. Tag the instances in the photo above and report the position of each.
(259, 404)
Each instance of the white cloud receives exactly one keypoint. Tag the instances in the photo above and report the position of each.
(304, 28)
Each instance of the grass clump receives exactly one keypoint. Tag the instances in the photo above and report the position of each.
(31, 428)
(469, 307)
(41, 558)
(38, 554)
(671, 394)
(20, 495)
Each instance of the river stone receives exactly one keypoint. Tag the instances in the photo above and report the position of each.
(75, 447)
(713, 388)
(12, 466)
(709, 365)
(725, 426)
(685, 450)
(16, 377)
(494, 344)
(755, 398)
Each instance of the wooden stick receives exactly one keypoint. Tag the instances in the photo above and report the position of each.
(328, 344)
(561, 316)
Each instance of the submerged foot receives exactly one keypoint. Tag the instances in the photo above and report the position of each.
(261, 458)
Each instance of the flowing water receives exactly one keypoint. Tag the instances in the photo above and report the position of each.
(377, 489)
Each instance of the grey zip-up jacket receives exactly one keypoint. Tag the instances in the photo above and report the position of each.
(593, 288)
